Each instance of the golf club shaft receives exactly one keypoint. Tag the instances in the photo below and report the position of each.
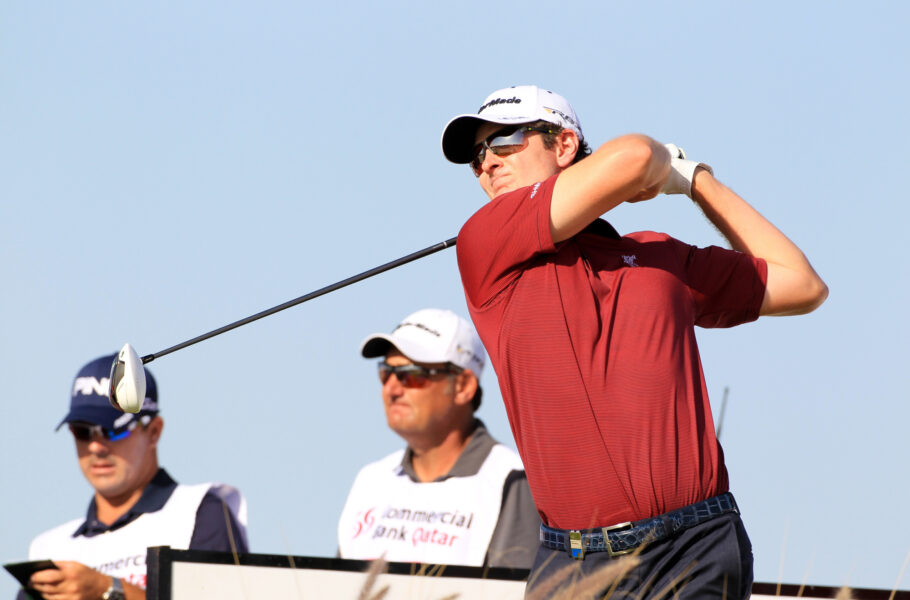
(320, 292)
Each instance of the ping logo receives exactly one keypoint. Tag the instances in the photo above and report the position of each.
(629, 259)
(88, 386)
(534, 191)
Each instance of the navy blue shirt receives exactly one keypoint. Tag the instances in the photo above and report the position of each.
(210, 532)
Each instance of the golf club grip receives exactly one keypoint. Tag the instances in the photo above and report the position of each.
(315, 294)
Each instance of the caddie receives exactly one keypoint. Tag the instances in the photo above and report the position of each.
(592, 335)
(454, 495)
(136, 504)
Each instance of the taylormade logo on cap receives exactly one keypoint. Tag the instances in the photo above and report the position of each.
(514, 105)
(431, 335)
(495, 101)
(418, 326)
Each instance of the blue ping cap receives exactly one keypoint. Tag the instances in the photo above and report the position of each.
(90, 404)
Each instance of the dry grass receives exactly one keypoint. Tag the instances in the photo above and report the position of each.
(376, 567)
(569, 583)
(900, 576)
(844, 594)
(587, 587)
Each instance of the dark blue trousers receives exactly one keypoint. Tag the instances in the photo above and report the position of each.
(712, 560)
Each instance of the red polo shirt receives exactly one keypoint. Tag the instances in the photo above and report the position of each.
(593, 342)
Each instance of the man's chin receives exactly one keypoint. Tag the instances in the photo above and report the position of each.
(401, 426)
(396, 418)
(105, 483)
(107, 489)
(503, 188)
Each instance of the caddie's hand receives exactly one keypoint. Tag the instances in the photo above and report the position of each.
(681, 172)
(70, 581)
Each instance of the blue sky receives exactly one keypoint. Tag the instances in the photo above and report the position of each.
(169, 167)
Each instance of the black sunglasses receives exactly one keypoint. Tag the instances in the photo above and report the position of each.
(86, 432)
(414, 376)
(504, 142)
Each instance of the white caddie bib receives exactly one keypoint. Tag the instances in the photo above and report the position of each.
(121, 553)
(442, 522)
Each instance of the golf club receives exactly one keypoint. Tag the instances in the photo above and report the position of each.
(126, 389)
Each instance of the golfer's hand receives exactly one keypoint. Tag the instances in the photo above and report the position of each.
(682, 172)
(70, 581)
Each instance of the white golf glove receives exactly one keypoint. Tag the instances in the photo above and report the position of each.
(681, 172)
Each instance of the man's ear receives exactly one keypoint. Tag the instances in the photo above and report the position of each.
(567, 146)
(155, 428)
(465, 387)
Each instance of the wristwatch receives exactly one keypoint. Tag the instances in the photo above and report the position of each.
(115, 592)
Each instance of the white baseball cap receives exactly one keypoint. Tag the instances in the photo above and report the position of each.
(515, 105)
(431, 335)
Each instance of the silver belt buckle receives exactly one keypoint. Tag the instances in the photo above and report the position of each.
(606, 530)
(576, 545)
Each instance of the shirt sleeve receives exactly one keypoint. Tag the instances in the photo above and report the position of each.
(517, 535)
(727, 286)
(500, 237)
(216, 527)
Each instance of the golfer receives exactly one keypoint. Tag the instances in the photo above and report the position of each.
(592, 337)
